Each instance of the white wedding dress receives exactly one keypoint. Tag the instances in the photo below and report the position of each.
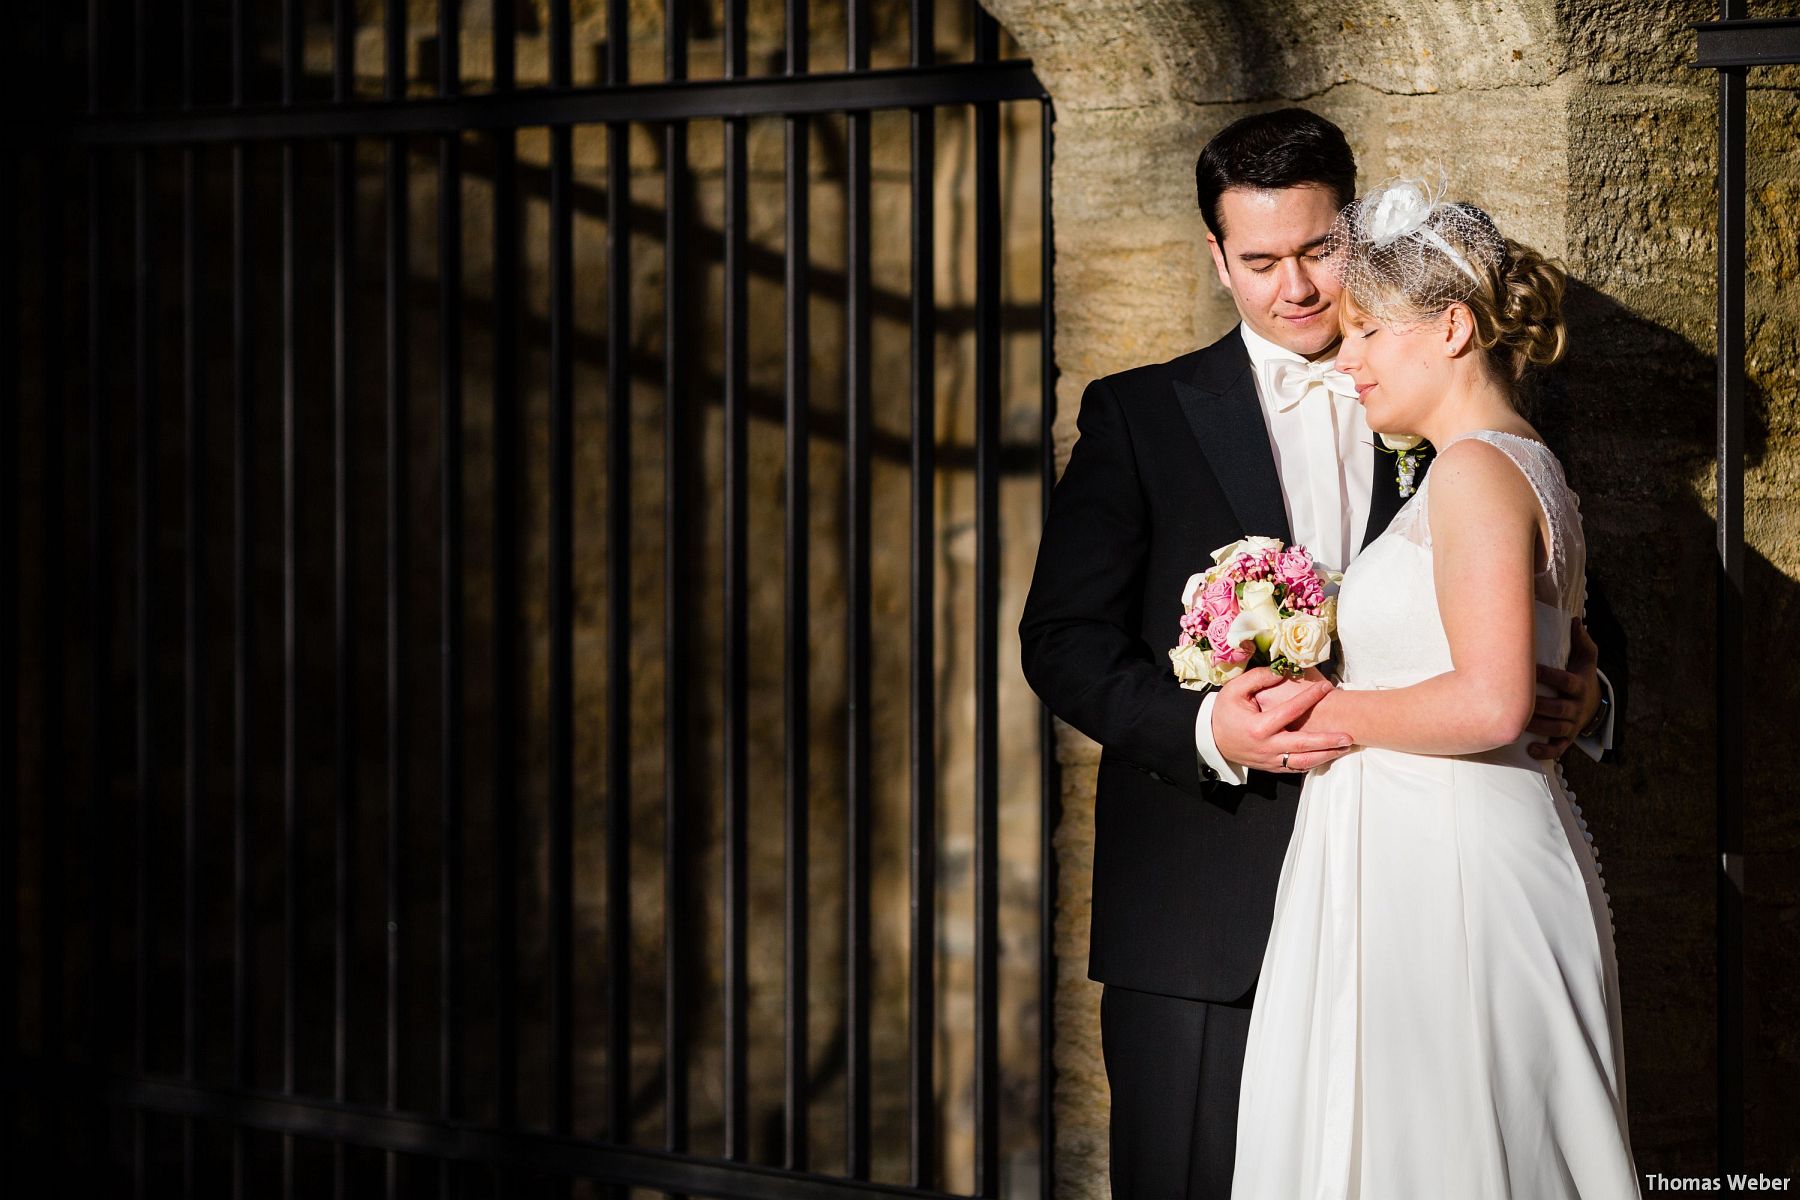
(1437, 1016)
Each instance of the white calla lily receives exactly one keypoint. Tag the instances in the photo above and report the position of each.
(1258, 615)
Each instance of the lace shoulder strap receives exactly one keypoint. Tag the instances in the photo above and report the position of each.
(1562, 509)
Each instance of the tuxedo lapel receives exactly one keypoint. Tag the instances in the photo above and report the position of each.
(1226, 417)
(1385, 498)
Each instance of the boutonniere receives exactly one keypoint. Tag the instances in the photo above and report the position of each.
(1410, 452)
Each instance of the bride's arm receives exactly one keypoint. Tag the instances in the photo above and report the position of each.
(1484, 523)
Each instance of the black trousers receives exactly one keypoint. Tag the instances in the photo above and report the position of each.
(1173, 1066)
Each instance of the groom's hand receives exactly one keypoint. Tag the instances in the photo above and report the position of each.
(1248, 733)
(1558, 718)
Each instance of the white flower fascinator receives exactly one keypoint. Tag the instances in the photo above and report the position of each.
(1404, 252)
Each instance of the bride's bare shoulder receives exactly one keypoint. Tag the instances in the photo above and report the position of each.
(1476, 479)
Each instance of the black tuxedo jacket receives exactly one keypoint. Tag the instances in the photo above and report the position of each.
(1172, 462)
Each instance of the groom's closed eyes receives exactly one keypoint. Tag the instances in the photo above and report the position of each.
(1262, 261)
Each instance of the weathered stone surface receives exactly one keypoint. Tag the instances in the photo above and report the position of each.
(1582, 129)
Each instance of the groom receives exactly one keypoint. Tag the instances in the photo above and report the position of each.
(1196, 795)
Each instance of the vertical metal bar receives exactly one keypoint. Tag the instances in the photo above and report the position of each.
(736, 600)
(290, 700)
(506, 591)
(618, 596)
(796, 636)
(399, 440)
(922, 685)
(99, 1008)
(11, 596)
(344, 710)
(55, 534)
(987, 606)
(1049, 774)
(96, 43)
(676, 858)
(147, 437)
(11, 609)
(561, 832)
(856, 605)
(450, 592)
(243, 388)
(1730, 588)
(194, 743)
(53, 749)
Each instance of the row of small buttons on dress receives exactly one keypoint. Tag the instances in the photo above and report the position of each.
(1581, 823)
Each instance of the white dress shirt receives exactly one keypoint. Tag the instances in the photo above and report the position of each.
(1325, 463)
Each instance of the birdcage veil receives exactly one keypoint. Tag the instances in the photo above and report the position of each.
(1404, 253)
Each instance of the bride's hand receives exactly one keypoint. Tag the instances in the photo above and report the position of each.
(1282, 692)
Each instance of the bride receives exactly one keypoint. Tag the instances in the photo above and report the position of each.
(1438, 1009)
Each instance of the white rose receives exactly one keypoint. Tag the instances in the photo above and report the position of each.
(1258, 616)
(1303, 640)
(1194, 666)
(1186, 661)
(1399, 209)
(1248, 545)
(1191, 592)
(1328, 614)
(1402, 441)
(1222, 675)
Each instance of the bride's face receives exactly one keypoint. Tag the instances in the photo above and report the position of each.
(1400, 371)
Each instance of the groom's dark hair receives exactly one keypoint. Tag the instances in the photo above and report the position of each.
(1289, 147)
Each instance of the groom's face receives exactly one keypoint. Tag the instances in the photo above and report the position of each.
(1268, 259)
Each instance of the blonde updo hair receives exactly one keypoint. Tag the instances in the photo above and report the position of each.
(1518, 312)
(1514, 292)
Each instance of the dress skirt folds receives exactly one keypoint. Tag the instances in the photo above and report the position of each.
(1438, 1013)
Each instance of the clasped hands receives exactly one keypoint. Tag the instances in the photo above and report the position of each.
(1263, 720)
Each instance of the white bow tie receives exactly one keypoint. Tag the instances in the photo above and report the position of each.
(1289, 381)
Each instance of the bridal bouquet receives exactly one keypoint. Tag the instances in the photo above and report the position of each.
(1261, 605)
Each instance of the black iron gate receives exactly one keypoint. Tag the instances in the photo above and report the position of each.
(236, 656)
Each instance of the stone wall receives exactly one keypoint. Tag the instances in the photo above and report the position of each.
(1580, 127)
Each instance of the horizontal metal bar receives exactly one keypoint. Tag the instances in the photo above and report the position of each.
(846, 91)
(433, 1137)
(1745, 43)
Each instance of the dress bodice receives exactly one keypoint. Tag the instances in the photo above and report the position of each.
(1389, 626)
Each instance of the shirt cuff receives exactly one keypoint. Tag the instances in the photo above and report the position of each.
(1212, 763)
(1602, 741)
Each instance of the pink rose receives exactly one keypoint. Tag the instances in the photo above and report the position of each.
(1234, 655)
(1218, 598)
(1295, 569)
(1217, 634)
